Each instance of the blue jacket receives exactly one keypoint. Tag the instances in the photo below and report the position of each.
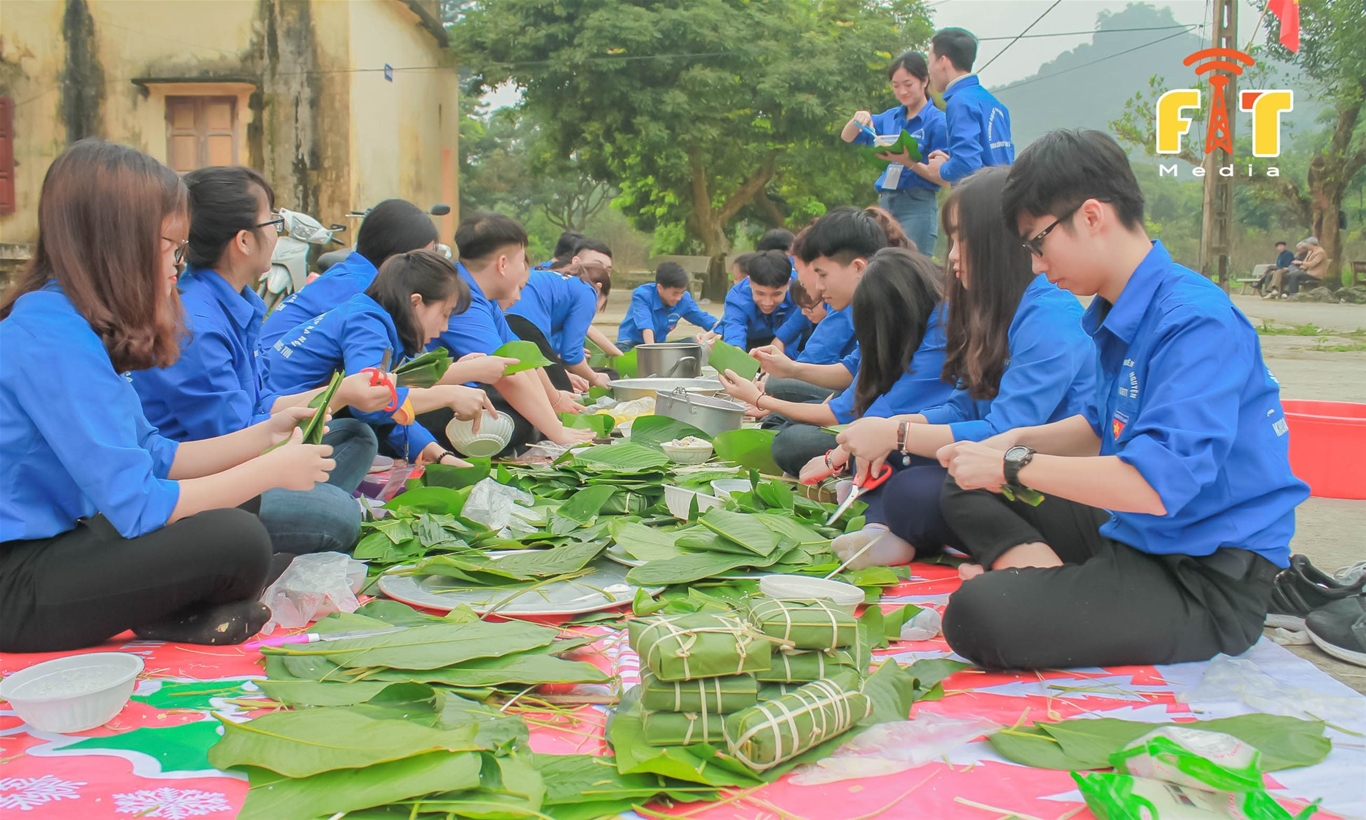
(829, 341)
(919, 387)
(351, 337)
(480, 329)
(338, 283)
(647, 310)
(562, 307)
(73, 439)
(1049, 376)
(979, 130)
(1185, 397)
(929, 129)
(747, 327)
(214, 388)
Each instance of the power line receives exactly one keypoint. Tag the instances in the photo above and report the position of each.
(1018, 36)
(1093, 62)
(1082, 33)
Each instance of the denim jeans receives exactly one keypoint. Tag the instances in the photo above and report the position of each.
(917, 211)
(325, 518)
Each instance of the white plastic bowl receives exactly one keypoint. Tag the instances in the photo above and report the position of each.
(726, 487)
(494, 435)
(802, 588)
(75, 693)
(695, 454)
(679, 501)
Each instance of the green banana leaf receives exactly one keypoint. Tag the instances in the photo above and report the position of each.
(751, 448)
(523, 669)
(904, 142)
(317, 693)
(273, 796)
(478, 569)
(600, 423)
(625, 364)
(527, 354)
(439, 500)
(625, 457)
(315, 425)
(893, 688)
(427, 647)
(425, 370)
(312, 741)
(645, 543)
(585, 506)
(653, 431)
(688, 568)
(745, 530)
(729, 357)
(456, 478)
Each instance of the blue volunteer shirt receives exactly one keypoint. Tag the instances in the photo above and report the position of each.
(214, 388)
(795, 333)
(1185, 397)
(747, 327)
(647, 310)
(919, 387)
(929, 129)
(978, 129)
(73, 439)
(480, 329)
(1050, 371)
(830, 340)
(338, 283)
(351, 337)
(562, 307)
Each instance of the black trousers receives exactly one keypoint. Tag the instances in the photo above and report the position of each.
(1108, 605)
(528, 332)
(909, 505)
(523, 432)
(89, 584)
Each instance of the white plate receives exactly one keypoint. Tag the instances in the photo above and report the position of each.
(573, 597)
(380, 464)
(618, 553)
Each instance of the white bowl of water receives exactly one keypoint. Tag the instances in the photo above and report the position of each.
(75, 693)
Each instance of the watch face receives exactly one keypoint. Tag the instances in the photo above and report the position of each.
(1016, 453)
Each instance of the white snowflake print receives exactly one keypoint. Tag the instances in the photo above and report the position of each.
(176, 804)
(24, 793)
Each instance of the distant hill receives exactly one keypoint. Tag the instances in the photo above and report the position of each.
(1087, 86)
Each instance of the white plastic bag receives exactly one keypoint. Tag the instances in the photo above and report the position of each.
(888, 748)
(924, 626)
(313, 586)
(494, 505)
(1238, 679)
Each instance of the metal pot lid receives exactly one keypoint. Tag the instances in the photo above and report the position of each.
(714, 402)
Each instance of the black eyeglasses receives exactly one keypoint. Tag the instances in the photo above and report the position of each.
(278, 222)
(180, 246)
(1035, 245)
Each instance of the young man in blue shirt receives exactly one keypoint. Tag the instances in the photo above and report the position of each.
(759, 305)
(1169, 504)
(978, 124)
(657, 309)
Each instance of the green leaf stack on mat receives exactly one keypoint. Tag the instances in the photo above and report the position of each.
(425, 370)
(729, 357)
(527, 354)
(772, 732)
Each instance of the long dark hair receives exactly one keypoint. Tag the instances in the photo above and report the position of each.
(998, 268)
(892, 306)
(426, 273)
(392, 227)
(100, 219)
(226, 200)
(594, 273)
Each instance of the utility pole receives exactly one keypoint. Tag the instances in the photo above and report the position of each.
(1216, 230)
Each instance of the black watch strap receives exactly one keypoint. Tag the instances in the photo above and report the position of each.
(1015, 459)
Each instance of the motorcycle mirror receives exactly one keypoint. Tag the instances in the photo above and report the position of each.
(440, 209)
(335, 227)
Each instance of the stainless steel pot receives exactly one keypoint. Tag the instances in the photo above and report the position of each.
(628, 389)
(712, 415)
(669, 360)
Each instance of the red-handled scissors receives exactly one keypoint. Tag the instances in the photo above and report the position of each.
(380, 376)
(868, 483)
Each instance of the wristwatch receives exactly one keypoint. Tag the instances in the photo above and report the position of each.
(1015, 460)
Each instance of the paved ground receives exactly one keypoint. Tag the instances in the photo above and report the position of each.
(1331, 532)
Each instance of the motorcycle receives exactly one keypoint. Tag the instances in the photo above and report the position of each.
(289, 264)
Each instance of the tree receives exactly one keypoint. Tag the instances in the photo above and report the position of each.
(692, 109)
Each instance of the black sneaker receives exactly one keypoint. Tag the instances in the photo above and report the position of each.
(1340, 629)
(1303, 588)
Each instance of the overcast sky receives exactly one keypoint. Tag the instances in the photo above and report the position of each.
(1007, 18)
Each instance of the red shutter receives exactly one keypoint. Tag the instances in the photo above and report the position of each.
(7, 203)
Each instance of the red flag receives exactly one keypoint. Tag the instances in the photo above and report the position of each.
(1288, 12)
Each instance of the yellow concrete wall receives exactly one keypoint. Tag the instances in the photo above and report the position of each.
(31, 56)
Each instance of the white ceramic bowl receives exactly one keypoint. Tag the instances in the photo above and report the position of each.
(695, 454)
(75, 693)
(726, 487)
(802, 588)
(494, 434)
(679, 501)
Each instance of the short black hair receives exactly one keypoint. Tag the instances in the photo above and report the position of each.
(391, 227)
(428, 274)
(1063, 169)
(770, 269)
(1281, 242)
(913, 62)
(587, 244)
(481, 234)
(777, 239)
(742, 262)
(565, 245)
(671, 275)
(958, 44)
(224, 201)
(801, 297)
(844, 234)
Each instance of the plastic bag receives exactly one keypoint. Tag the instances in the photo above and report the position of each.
(1195, 758)
(888, 748)
(1124, 797)
(924, 626)
(494, 505)
(1239, 680)
(313, 586)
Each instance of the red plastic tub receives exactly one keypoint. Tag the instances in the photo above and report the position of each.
(1328, 446)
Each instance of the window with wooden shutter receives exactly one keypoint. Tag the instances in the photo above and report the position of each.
(7, 203)
(200, 131)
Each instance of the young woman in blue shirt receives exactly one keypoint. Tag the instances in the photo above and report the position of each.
(1169, 504)
(555, 310)
(408, 305)
(104, 524)
(1015, 349)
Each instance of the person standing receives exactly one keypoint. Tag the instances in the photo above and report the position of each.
(978, 124)
(908, 186)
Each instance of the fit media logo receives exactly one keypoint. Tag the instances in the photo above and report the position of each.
(1266, 108)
